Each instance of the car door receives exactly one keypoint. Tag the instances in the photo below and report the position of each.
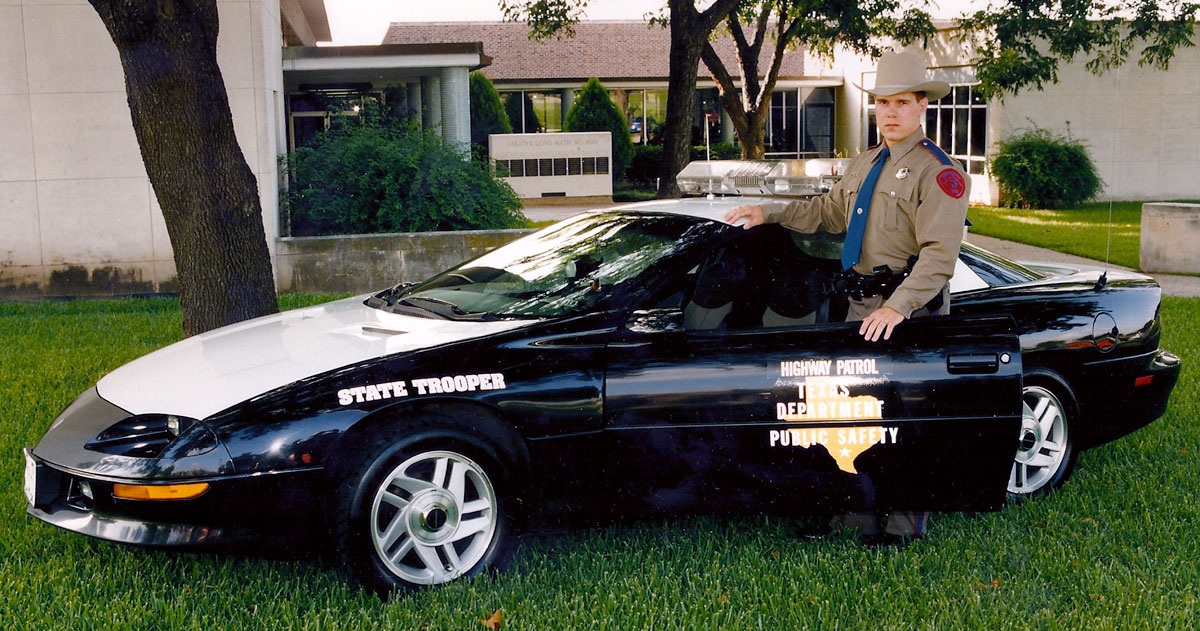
(814, 418)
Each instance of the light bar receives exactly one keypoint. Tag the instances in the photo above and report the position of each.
(794, 178)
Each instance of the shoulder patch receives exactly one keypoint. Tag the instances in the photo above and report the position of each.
(951, 182)
(937, 152)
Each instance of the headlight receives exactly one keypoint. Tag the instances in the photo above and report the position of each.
(143, 435)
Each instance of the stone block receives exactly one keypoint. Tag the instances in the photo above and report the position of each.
(20, 241)
(95, 222)
(235, 55)
(16, 138)
(1170, 238)
(70, 51)
(14, 75)
(78, 136)
(362, 263)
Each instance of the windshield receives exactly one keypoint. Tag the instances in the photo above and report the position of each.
(564, 269)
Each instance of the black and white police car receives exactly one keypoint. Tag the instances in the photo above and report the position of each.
(644, 358)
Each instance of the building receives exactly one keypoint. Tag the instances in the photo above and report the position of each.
(78, 211)
(80, 217)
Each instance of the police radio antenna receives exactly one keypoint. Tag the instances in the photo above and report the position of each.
(1103, 280)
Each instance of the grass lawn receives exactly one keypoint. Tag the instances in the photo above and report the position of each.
(1081, 231)
(1117, 548)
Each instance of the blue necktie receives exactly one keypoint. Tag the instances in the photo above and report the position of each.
(862, 209)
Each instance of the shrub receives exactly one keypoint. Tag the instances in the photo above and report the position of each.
(645, 163)
(372, 173)
(719, 151)
(594, 110)
(487, 112)
(647, 159)
(1039, 169)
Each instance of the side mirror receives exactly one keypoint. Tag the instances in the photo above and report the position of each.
(655, 321)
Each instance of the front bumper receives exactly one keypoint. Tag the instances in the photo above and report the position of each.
(234, 511)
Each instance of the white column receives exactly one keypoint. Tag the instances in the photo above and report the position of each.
(433, 111)
(568, 99)
(456, 108)
(414, 101)
(727, 131)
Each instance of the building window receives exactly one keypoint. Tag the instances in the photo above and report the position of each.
(956, 122)
(532, 112)
(801, 124)
(645, 111)
(310, 112)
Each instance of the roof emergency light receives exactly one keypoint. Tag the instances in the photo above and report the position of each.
(794, 178)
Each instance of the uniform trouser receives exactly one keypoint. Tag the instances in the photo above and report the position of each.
(903, 523)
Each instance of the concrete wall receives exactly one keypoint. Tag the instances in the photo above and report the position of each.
(362, 263)
(78, 211)
(1142, 125)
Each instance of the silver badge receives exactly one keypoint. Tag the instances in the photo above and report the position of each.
(902, 173)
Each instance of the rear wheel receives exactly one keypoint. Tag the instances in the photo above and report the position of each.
(1045, 453)
(427, 513)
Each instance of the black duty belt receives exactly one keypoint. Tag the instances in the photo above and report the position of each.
(882, 281)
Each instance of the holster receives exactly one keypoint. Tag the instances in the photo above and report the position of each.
(883, 281)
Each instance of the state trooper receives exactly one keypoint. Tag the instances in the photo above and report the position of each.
(902, 205)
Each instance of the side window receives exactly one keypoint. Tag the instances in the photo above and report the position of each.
(762, 280)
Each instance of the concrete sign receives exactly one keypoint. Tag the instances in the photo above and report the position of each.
(577, 164)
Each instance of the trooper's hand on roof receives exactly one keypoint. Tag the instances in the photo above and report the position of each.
(752, 214)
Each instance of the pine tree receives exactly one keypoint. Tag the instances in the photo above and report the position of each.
(594, 110)
(487, 112)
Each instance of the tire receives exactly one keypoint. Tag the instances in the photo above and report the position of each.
(1046, 452)
(424, 511)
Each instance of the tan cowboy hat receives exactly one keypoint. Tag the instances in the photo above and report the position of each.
(902, 71)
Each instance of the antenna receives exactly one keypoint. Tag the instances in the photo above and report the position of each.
(1103, 280)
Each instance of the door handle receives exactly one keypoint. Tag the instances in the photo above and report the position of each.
(978, 364)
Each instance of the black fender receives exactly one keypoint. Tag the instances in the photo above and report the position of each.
(474, 418)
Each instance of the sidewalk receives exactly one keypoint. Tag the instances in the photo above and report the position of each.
(1173, 285)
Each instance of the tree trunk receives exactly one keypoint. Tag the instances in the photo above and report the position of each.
(689, 32)
(208, 194)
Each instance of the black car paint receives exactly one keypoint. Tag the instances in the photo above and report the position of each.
(281, 445)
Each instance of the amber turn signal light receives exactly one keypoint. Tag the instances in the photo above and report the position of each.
(159, 491)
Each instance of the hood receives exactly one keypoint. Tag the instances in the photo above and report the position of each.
(207, 373)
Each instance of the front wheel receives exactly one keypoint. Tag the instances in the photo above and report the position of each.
(423, 515)
(1045, 453)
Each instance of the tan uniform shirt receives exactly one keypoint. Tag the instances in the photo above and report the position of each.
(911, 214)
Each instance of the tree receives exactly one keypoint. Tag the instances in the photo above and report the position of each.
(594, 110)
(487, 113)
(690, 29)
(1017, 43)
(821, 26)
(208, 194)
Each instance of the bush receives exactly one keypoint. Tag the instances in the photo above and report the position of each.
(647, 159)
(719, 151)
(372, 173)
(645, 163)
(1039, 169)
(487, 113)
(594, 110)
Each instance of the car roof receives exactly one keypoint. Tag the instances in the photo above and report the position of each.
(711, 208)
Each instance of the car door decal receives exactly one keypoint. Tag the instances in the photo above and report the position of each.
(825, 392)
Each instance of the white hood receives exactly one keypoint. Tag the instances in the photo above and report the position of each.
(209, 372)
